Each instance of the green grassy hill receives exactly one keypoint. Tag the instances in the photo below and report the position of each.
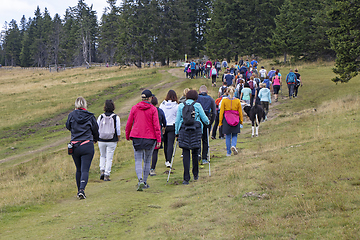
(298, 180)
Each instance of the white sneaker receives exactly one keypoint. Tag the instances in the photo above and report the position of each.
(234, 150)
(167, 164)
(152, 172)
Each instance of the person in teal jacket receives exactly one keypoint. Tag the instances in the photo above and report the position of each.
(265, 98)
(201, 117)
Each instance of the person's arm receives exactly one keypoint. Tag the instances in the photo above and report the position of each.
(221, 114)
(118, 129)
(241, 95)
(202, 114)
(177, 119)
(68, 123)
(300, 80)
(213, 110)
(94, 129)
(129, 124)
(156, 124)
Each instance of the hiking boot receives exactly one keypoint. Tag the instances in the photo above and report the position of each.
(152, 172)
(196, 178)
(102, 174)
(234, 150)
(185, 182)
(213, 138)
(81, 194)
(204, 161)
(107, 178)
(146, 186)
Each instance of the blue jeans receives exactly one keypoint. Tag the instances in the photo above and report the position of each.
(291, 89)
(231, 140)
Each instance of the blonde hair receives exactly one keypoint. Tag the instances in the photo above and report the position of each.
(80, 102)
(186, 90)
(231, 91)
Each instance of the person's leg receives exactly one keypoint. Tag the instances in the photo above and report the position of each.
(186, 164)
(233, 139)
(263, 105)
(147, 162)
(165, 139)
(86, 158)
(296, 90)
(205, 143)
(221, 135)
(228, 144)
(77, 161)
(102, 149)
(251, 100)
(154, 158)
(289, 87)
(195, 163)
(138, 155)
(214, 129)
(111, 146)
(170, 143)
(292, 89)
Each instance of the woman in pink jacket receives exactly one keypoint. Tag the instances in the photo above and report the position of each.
(143, 129)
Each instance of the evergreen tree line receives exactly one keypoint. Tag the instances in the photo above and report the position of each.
(159, 30)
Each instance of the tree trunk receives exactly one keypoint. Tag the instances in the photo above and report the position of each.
(284, 57)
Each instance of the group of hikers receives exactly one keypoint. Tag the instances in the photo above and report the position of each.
(186, 121)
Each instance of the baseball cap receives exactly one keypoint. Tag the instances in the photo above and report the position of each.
(146, 93)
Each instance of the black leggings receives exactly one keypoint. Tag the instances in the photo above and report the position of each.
(83, 156)
(169, 139)
(186, 163)
(154, 158)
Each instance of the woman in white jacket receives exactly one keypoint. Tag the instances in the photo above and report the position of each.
(170, 107)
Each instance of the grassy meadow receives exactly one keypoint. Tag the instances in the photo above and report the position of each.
(298, 180)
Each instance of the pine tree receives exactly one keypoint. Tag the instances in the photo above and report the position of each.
(12, 44)
(345, 39)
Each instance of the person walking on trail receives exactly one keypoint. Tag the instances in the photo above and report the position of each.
(214, 74)
(253, 86)
(208, 104)
(276, 83)
(224, 63)
(263, 73)
(84, 133)
(291, 82)
(109, 135)
(193, 69)
(162, 121)
(271, 73)
(217, 65)
(143, 128)
(265, 98)
(231, 117)
(229, 78)
(246, 93)
(298, 83)
(208, 66)
(188, 128)
(169, 106)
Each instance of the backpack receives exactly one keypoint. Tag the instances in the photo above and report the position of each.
(223, 90)
(291, 78)
(248, 75)
(197, 67)
(188, 113)
(257, 80)
(213, 72)
(218, 65)
(107, 127)
(251, 84)
(232, 71)
(262, 74)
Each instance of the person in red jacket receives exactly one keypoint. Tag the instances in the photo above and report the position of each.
(143, 129)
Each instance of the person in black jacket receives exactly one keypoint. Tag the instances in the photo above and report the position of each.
(208, 104)
(84, 133)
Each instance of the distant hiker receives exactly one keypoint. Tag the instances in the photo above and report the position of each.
(193, 69)
(298, 83)
(263, 73)
(271, 73)
(186, 68)
(217, 65)
(253, 86)
(197, 70)
(109, 135)
(208, 66)
(84, 133)
(143, 128)
(229, 78)
(291, 81)
(246, 93)
(224, 64)
(169, 106)
(162, 121)
(276, 82)
(265, 98)
(231, 118)
(222, 89)
(216, 122)
(254, 65)
(241, 62)
(208, 104)
(214, 74)
(188, 127)
(243, 70)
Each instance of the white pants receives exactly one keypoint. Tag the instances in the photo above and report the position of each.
(107, 150)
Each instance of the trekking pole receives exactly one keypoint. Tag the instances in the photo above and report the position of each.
(208, 151)
(172, 160)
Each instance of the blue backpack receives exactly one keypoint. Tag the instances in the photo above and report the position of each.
(291, 78)
(267, 82)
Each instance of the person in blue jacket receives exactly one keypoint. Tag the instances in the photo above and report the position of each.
(200, 117)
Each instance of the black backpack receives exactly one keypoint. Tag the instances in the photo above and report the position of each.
(188, 114)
